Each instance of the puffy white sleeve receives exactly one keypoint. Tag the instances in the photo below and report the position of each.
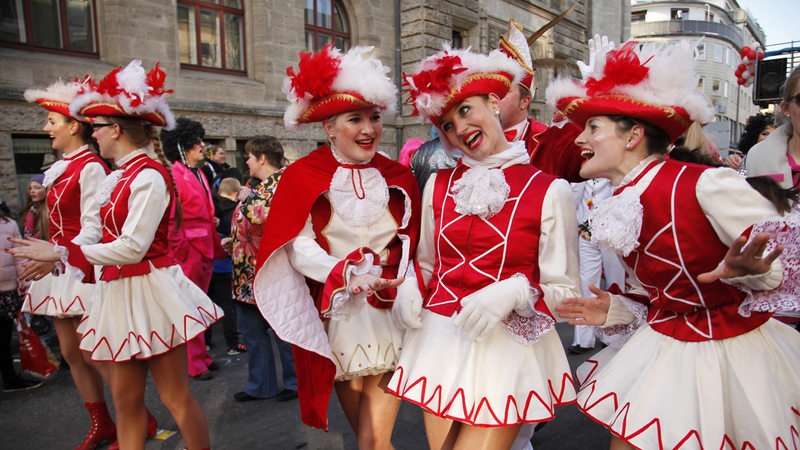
(307, 257)
(559, 273)
(732, 206)
(147, 205)
(91, 177)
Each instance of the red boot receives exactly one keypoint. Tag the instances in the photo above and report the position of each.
(152, 425)
(152, 430)
(102, 430)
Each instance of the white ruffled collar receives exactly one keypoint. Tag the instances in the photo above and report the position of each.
(59, 167)
(359, 196)
(617, 221)
(482, 190)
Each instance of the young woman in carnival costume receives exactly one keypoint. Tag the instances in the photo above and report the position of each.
(144, 309)
(481, 355)
(345, 218)
(71, 185)
(696, 371)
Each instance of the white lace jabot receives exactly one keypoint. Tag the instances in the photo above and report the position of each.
(483, 190)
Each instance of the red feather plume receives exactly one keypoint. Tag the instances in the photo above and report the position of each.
(622, 68)
(315, 73)
(109, 85)
(156, 79)
(435, 80)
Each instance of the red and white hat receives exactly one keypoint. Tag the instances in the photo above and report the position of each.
(446, 78)
(329, 83)
(128, 92)
(55, 97)
(653, 83)
(515, 45)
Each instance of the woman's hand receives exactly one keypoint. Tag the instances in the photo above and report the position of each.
(34, 249)
(370, 284)
(741, 259)
(586, 310)
(35, 270)
(244, 191)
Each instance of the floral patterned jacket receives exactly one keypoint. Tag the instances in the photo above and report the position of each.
(247, 227)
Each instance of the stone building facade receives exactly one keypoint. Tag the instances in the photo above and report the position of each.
(236, 105)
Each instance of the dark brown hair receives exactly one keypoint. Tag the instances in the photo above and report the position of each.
(656, 139)
(270, 147)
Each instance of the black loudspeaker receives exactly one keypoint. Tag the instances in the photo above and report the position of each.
(770, 76)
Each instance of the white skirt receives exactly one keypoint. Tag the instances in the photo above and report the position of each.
(144, 316)
(495, 382)
(658, 392)
(59, 296)
(366, 343)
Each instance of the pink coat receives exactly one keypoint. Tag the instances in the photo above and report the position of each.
(194, 243)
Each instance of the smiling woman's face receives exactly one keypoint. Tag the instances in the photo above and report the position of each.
(355, 134)
(603, 148)
(472, 126)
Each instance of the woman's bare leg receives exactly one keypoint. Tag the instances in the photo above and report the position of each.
(349, 394)
(377, 414)
(441, 433)
(86, 377)
(619, 444)
(481, 438)
(127, 388)
(370, 410)
(169, 372)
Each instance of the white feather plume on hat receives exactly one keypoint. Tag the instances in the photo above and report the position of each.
(439, 78)
(356, 72)
(670, 81)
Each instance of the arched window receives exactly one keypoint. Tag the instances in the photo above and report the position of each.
(326, 22)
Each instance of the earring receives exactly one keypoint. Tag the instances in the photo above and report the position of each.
(628, 145)
(497, 113)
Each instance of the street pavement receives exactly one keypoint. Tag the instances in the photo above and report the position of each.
(52, 417)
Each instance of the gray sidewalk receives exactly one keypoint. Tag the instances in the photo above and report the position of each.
(52, 417)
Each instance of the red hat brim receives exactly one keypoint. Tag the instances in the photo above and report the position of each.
(56, 106)
(497, 83)
(674, 120)
(332, 105)
(115, 110)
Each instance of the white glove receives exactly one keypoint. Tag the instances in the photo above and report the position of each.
(407, 305)
(597, 46)
(482, 310)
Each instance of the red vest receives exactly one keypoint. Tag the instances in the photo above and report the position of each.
(64, 198)
(673, 250)
(114, 213)
(473, 252)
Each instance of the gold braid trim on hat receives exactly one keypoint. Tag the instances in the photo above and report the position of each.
(122, 112)
(341, 96)
(46, 103)
(669, 112)
(503, 79)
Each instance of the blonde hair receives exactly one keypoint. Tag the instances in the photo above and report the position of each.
(229, 186)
